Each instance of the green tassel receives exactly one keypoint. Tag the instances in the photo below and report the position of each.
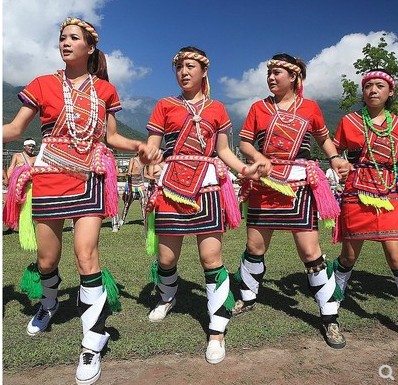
(283, 188)
(27, 236)
(245, 208)
(152, 240)
(337, 294)
(153, 273)
(221, 276)
(329, 223)
(377, 202)
(112, 291)
(31, 283)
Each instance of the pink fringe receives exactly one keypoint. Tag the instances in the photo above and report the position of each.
(327, 205)
(232, 211)
(16, 195)
(111, 192)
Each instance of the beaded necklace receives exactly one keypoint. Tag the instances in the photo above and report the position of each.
(196, 118)
(82, 138)
(283, 119)
(367, 123)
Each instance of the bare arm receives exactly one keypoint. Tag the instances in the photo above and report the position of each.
(254, 170)
(340, 165)
(14, 130)
(250, 152)
(147, 154)
(14, 161)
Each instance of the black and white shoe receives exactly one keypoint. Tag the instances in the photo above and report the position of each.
(89, 368)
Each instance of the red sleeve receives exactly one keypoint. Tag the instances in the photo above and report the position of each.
(157, 120)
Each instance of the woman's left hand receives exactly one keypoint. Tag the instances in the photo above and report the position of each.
(149, 154)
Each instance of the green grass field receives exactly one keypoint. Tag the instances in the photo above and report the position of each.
(285, 306)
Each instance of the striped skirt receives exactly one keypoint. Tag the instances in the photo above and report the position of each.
(210, 219)
(61, 196)
(270, 209)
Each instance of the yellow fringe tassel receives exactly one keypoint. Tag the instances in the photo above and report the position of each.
(377, 202)
(180, 199)
(283, 188)
(27, 236)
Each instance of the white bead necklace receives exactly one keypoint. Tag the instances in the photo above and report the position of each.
(82, 138)
(284, 119)
(196, 118)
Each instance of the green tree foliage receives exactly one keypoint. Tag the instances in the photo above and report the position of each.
(374, 57)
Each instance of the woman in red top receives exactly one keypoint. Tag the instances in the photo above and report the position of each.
(370, 197)
(195, 194)
(278, 129)
(74, 176)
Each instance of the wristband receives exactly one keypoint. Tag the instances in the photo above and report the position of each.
(334, 157)
(243, 172)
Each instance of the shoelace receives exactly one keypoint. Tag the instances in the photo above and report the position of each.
(87, 358)
(42, 313)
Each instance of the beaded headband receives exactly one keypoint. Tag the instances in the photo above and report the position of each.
(191, 55)
(81, 23)
(181, 55)
(291, 67)
(378, 75)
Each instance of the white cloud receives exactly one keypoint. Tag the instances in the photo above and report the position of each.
(323, 72)
(122, 71)
(30, 40)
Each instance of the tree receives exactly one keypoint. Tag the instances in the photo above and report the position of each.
(374, 57)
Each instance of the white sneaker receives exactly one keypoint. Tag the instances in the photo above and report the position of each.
(215, 352)
(115, 228)
(89, 369)
(121, 223)
(161, 310)
(41, 320)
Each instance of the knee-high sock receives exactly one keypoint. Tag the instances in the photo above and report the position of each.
(395, 273)
(252, 270)
(342, 274)
(50, 283)
(92, 307)
(168, 283)
(323, 288)
(219, 299)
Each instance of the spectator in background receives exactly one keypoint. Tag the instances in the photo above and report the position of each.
(27, 157)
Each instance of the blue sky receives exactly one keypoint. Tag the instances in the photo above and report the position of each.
(141, 37)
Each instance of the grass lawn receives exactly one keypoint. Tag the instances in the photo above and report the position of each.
(285, 306)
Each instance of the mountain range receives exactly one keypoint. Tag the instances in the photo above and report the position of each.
(132, 121)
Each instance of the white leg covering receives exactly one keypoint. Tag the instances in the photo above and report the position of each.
(342, 279)
(248, 268)
(215, 300)
(96, 297)
(323, 289)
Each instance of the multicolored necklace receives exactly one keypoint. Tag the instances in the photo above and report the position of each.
(82, 138)
(367, 123)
